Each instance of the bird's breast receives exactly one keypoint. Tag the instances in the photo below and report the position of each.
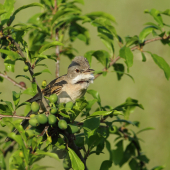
(71, 92)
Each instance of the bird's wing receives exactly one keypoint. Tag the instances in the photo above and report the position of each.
(55, 86)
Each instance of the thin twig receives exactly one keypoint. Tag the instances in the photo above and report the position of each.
(132, 49)
(14, 116)
(13, 81)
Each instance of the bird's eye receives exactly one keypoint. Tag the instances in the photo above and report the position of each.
(77, 70)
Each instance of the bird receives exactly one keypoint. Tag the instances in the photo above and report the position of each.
(68, 87)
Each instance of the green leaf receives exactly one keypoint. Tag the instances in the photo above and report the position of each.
(27, 6)
(1, 79)
(166, 12)
(44, 71)
(119, 68)
(9, 104)
(38, 167)
(96, 95)
(101, 113)
(16, 98)
(2, 11)
(158, 168)
(102, 56)
(157, 16)
(76, 163)
(12, 55)
(162, 64)
(134, 165)
(49, 45)
(128, 153)
(94, 140)
(143, 57)
(145, 32)
(2, 161)
(88, 55)
(117, 154)
(30, 91)
(23, 76)
(93, 15)
(90, 126)
(126, 53)
(19, 140)
(106, 165)
(148, 128)
(52, 155)
(80, 1)
(9, 64)
(132, 40)
(9, 8)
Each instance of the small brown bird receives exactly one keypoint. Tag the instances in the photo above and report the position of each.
(68, 87)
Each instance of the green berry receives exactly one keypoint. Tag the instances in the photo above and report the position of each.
(53, 110)
(52, 119)
(44, 83)
(35, 107)
(42, 119)
(26, 68)
(32, 115)
(62, 124)
(53, 98)
(33, 122)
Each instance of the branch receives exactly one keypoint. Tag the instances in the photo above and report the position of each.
(57, 63)
(13, 81)
(132, 49)
(14, 116)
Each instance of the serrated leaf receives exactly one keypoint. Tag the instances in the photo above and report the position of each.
(23, 76)
(145, 32)
(106, 165)
(53, 155)
(44, 71)
(9, 8)
(126, 53)
(101, 113)
(88, 55)
(12, 55)
(49, 45)
(27, 6)
(16, 98)
(101, 14)
(76, 163)
(162, 64)
(96, 95)
(148, 128)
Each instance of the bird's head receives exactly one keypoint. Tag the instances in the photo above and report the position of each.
(79, 71)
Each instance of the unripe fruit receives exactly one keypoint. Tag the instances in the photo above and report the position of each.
(44, 83)
(22, 84)
(53, 98)
(72, 129)
(29, 133)
(32, 115)
(53, 110)
(52, 119)
(21, 154)
(33, 122)
(26, 68)
(35, 107)
(69, 105)
(42, 119)
(62, 124)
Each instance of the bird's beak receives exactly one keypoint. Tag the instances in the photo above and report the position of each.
(89, 71)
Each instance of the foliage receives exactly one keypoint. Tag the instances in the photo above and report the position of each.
(47, 29)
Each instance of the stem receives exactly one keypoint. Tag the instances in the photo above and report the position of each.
(13, 81)
(132, 49)
(14, 116)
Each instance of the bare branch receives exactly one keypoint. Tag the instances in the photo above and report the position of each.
(13, 81)
(14, 116)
